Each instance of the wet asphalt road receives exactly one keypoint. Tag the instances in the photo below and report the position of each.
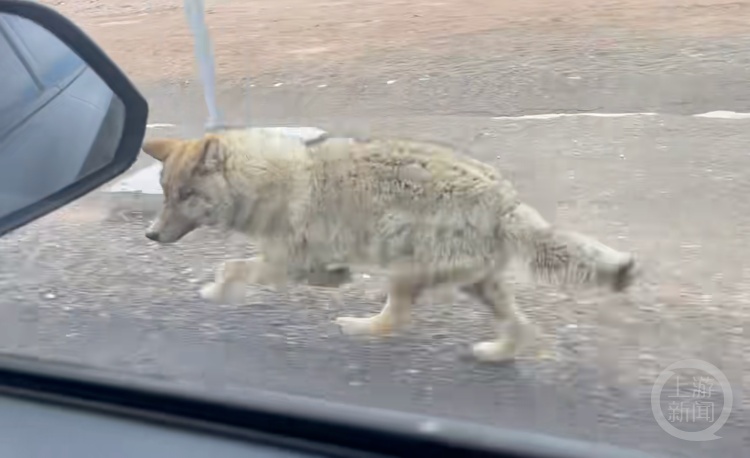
(670, 187)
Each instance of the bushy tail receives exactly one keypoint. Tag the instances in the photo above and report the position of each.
(562, 257)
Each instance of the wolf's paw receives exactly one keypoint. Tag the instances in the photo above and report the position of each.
(495, 351)
(211, 292)
(375, 325)
(231, 292)
(626, 275)
(521, 335)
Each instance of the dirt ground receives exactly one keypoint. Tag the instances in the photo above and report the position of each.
(151, 40)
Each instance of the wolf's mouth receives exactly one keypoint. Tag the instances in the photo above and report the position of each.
(166, 238)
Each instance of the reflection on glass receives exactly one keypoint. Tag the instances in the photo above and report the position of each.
(58, 120)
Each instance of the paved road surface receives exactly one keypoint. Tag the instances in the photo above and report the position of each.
(669, 186)
(79, 289)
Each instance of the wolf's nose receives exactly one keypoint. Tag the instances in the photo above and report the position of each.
(152, 235)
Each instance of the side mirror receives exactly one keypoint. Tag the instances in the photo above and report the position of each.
(70, 120)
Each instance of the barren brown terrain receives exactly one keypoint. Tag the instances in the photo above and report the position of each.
(151, 40)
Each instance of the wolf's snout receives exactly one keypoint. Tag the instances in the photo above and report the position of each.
(169, 227)
(152, 235)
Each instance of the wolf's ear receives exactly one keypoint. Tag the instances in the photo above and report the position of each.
(160, 148)
(212, 155)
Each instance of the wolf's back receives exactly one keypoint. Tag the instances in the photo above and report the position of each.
(415, 172)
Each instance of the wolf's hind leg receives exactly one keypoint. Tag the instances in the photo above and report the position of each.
(513, 329)
(406, 283)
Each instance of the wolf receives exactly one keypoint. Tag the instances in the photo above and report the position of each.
(423, 214)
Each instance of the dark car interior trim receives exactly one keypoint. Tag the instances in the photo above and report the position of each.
(303, 424)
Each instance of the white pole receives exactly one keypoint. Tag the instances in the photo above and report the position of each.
(195, 11)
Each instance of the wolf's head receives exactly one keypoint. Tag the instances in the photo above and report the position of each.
(196, 192)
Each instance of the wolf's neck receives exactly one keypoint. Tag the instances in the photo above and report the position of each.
(264, 195)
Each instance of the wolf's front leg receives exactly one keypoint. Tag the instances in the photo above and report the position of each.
(406, 284)
(232, 277)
